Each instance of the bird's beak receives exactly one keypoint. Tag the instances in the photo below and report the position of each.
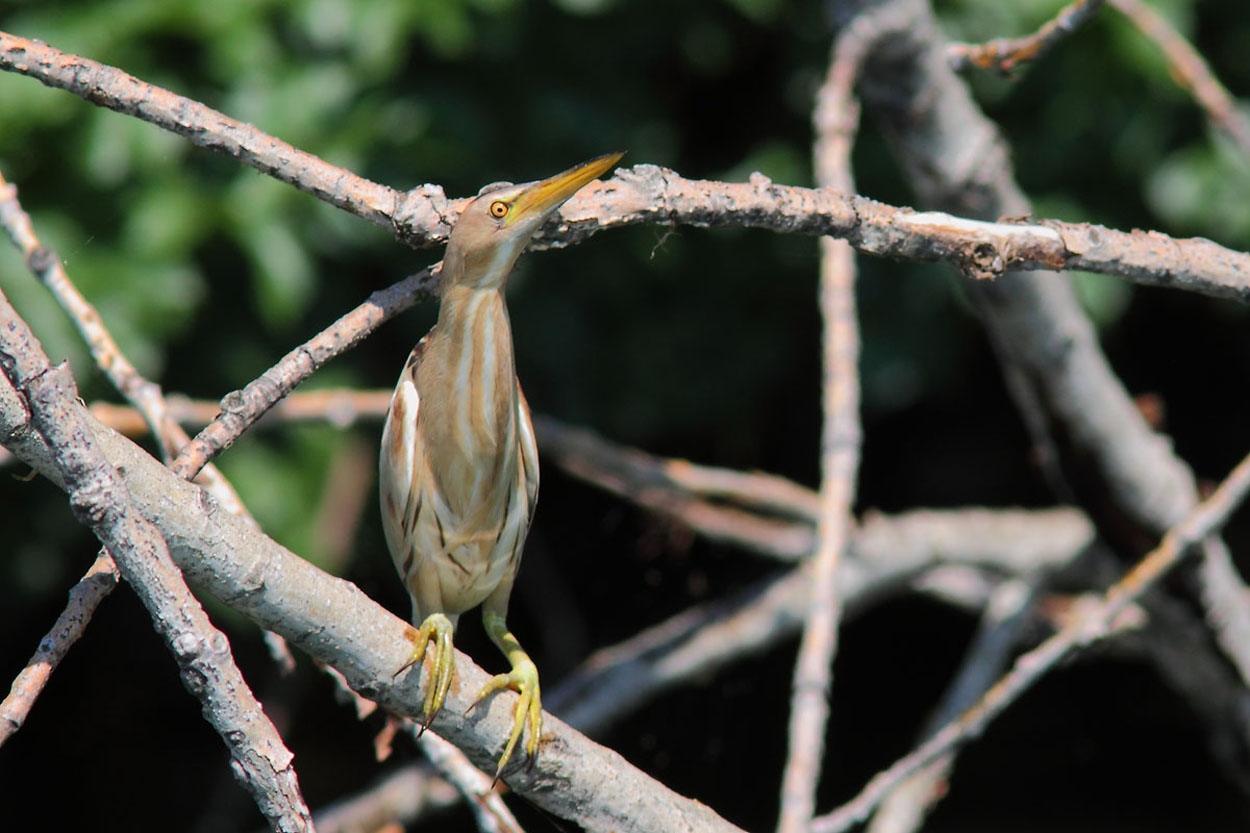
(545, 196)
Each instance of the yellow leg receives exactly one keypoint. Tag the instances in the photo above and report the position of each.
(436, 630)
(523, 679)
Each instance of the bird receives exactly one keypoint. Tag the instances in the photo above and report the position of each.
(458, 468)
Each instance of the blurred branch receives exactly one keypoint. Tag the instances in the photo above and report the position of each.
(100, 501)
(1005, 54)
(334, 622)
(477, 788)
(835, 120)
(1003, 621)
(650, 194)
(1191, 72)
(399, 797)
(1090, 627)
(886, 554)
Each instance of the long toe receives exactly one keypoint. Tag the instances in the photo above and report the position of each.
(523, 679)
(435, 631)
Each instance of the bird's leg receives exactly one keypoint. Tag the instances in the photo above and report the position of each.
(437, 630)
(523, 679)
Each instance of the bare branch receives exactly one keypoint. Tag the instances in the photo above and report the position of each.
(100, 500)
(241, 408)
(1002, 623)
(1006, 54)
(477, 788)
(657, 484)
(1191, 72)
(1095, 624)
(109, 87)
(84, 597)
(887, 554)
(400, 796)
(835, 119)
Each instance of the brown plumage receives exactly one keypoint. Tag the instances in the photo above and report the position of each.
(459, 467)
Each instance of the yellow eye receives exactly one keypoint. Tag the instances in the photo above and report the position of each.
(498, 209)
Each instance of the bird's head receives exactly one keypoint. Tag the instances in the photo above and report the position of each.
(496, 226)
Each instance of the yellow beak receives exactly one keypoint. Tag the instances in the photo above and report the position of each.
(545, 196)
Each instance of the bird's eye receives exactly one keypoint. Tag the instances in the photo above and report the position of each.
(498, 209)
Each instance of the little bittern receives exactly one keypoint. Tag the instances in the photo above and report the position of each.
(459, 469)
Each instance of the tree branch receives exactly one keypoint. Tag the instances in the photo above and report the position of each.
(1191, 72)
(1005, 54)
(835, 120)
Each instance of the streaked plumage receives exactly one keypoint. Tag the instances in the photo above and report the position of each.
(459, 466)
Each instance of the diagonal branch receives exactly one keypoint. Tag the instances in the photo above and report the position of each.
(1191, 72)
(1006, 54)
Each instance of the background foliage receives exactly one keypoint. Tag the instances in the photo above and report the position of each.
(693, 343)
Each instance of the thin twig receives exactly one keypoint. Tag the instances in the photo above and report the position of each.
(101, 501)
(114, 89)
(835, 119)
(98, 582)
(478, 789)
(1002, 623)
(241, 408)
(1205, 519)
(400, 797)
(1006, 54)
(1191, 72)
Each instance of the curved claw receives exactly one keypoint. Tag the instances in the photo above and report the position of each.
(437, 630)
(523, 679)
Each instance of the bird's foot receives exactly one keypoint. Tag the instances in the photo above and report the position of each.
(436, 630)
(523, 679)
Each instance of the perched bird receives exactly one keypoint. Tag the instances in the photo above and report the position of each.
(458, 467)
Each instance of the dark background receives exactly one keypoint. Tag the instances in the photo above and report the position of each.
(692, 343)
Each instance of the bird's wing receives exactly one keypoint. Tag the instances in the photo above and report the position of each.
(527, 462)
(401, 464)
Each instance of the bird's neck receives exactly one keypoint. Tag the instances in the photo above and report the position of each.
(471, 377)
